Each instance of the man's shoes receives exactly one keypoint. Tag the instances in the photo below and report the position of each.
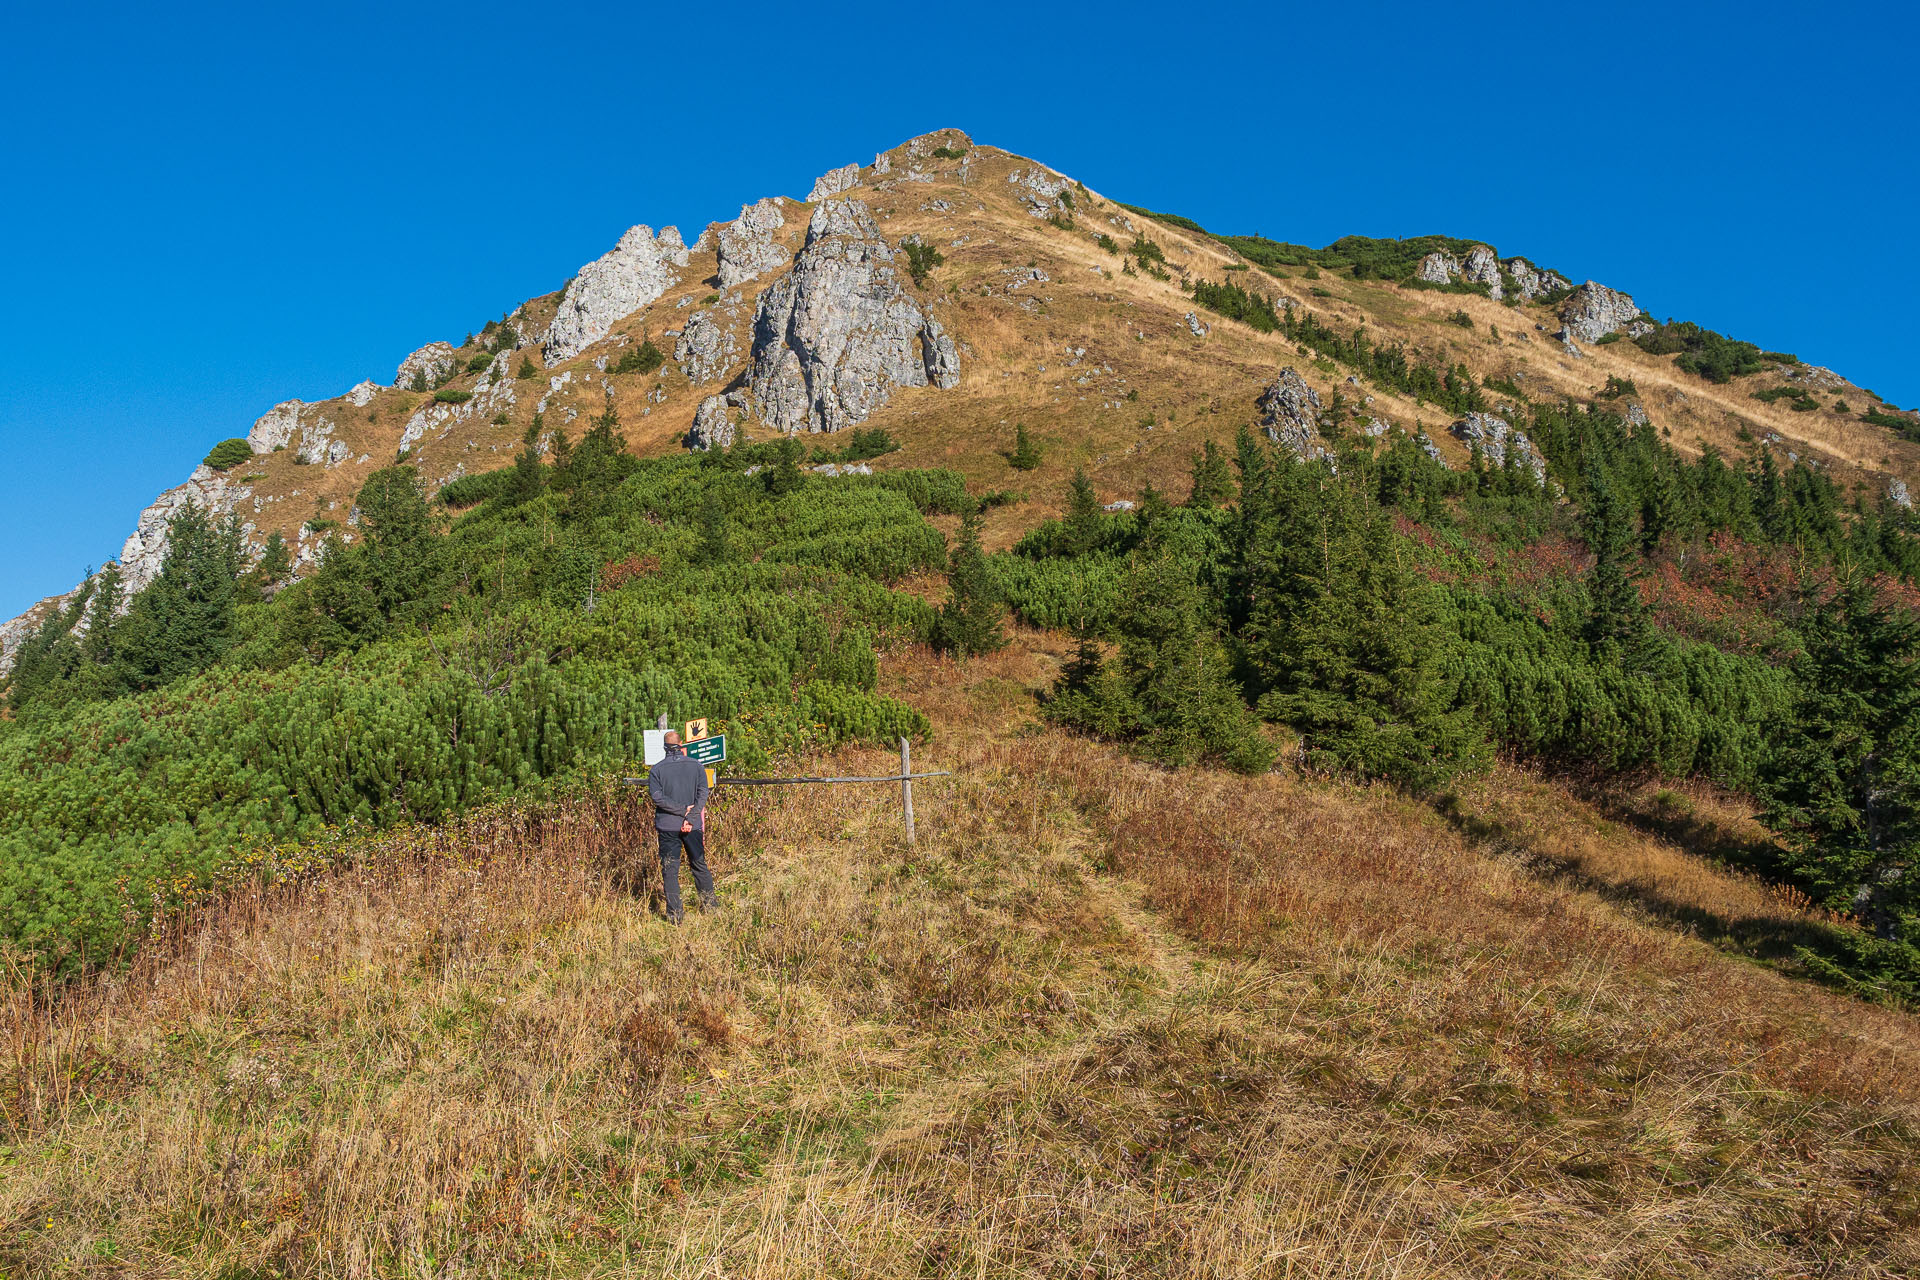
(709, 902)
(676, 917)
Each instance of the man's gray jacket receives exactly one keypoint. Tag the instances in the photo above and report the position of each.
(676, 783)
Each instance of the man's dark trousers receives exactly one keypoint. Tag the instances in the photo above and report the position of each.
(696, 844)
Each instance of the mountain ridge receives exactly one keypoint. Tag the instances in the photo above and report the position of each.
(1036, 276)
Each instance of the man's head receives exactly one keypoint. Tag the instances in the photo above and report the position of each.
(673, 738)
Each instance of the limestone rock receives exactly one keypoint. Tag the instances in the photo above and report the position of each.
(1195, 327)
(1428, 447)
(1494, 437)
(1897, 494)
(1438, 268)
(834, 181)
(1290, 415)
(1121, 504)
(834, 336)
(362, 393)
(706, 347)
(627, 277)
(1041, 191)
(146, 548)
(1635, 416)
(712, 425)
(1593, 311)
(747, 247)
(1480, 267)
(277, 427)
(430, 364)
(1532, 281)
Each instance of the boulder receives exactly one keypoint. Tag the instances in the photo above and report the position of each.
(1040, 190)
(430, 364)
(361, 394)
(1290, 414)
(1593, 311)
(1897, 494)
(834, 336)
(627, 277)
(706, 348)
(747, 247)
(1195, 327)
(834, 181)
(1494, 437)
(1481, 267)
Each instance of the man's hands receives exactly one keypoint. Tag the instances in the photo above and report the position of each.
(686, 823)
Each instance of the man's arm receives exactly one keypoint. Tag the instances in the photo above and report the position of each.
(655, 785)
(699, 794)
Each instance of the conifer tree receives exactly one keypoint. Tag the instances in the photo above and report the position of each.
(1085, 526)
(1842, 786)
(784, 475)
(969, 622)
(1026, 454)
(529, 475)
(182, 622)
(1616, 617)
(715, 542)
(1212, 481)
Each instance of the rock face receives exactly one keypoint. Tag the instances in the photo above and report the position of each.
(747, 247)
(712, 425)
(1532, 281)
(146, 548)
(833, 337)
(299, 427)
(629, 276)
(1480, 267)
(278, 426)
(1593, 311)
(362, 393)
(1290, 415)
(1438, 268)
(429, 365)
(834, 181)
(1897, 494)
(1494, 437)
(706, 347)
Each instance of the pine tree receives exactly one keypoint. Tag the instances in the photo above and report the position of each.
(1842, 786)
(969, 622)
(529, 474)
(182, 622)
(272, 570)
(1026, 454)
(716, 545)
(784, 475)
(1084, 529)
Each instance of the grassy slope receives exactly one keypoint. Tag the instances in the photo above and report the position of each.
(1106, 1018)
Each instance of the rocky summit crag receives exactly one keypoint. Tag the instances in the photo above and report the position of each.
(948, 291)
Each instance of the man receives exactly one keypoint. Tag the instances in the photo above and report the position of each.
(678, 786)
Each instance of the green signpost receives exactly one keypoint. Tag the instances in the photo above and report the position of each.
(708, 750)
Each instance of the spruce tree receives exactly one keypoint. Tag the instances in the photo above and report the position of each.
(1617, 625)
(969, 622)
(1842, 785)
(529, 474)
(1212, 480)
(1084, 529)
(784, 475)
(182, 622)
(1026, 454)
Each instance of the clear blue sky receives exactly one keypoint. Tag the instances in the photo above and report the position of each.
(210, 210)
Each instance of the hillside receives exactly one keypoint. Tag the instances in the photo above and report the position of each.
(1433, 782)
(1049, 328)
(1323, 1032)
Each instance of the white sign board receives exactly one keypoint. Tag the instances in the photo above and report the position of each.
(654, 746)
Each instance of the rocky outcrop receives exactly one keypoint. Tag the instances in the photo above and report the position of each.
(1532, 282)
(1428, 447)
(834, 181)
(146, 548)
(1438, 268)
(712, 425)
(1481, 267)
(280, 425)
(746, 245)
(627, 277)
(493, 394)
(427, 367)
(1897, 494)
(1290, 415)
(706, 348)
(1196, 327)
(834, 336)
(302, 428)
(1593, 311)
(1041, 191)
(1494, 438)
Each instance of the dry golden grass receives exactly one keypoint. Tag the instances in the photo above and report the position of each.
(1107, 1019)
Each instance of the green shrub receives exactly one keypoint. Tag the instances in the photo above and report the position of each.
(479, 362)
(1233, 301)
(1713, 356)
(949, 153)
(447, 395)
(1462, 319)
(644, 358)
(527, 370)
(921, 259)
(1026, 453)
(229, 454)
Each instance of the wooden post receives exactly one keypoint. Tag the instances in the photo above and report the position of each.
(906, 786)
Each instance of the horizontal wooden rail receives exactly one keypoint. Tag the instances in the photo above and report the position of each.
(775, 782)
